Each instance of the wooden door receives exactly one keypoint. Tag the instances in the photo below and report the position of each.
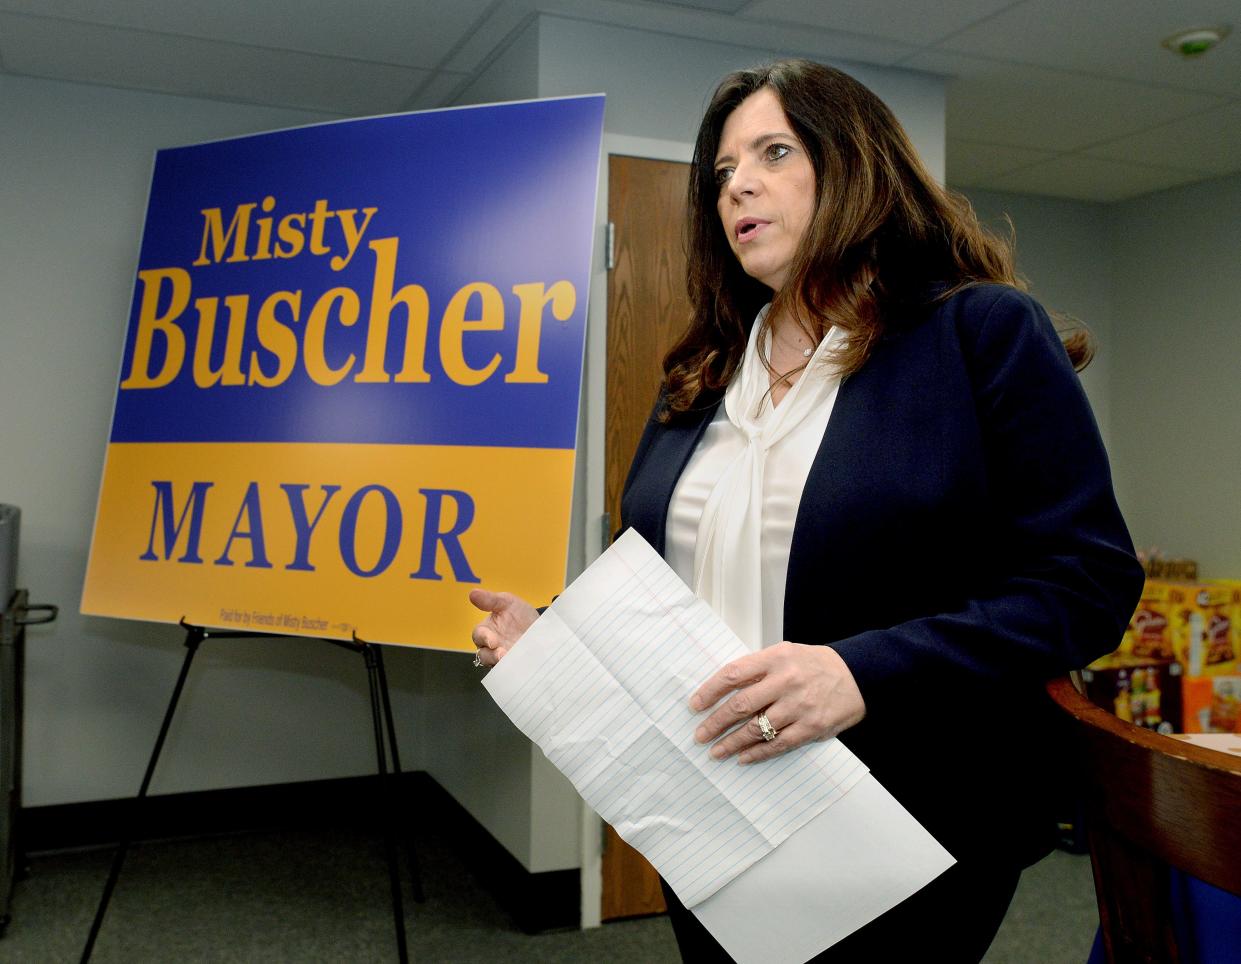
(647, 311)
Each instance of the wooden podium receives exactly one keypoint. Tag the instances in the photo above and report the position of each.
(1154, 805)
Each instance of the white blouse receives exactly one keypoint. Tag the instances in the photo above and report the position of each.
(730, 521)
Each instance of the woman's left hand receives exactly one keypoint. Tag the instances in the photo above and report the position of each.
(807, 693)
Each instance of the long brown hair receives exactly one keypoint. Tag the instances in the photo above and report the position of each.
(884, 235)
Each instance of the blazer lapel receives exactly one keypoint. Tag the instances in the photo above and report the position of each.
(645, 506)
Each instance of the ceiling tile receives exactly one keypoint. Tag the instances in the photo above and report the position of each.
(1112, 40)
(202, 68)
(1025, 106)
(911, 23)
(1034, 79)
(720, 6)
(413, 33)
(1088, 179)
(1209, 142)
(438, 90)
(477, 46)
(718, 28)
(970, 163)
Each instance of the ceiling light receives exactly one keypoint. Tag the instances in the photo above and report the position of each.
(1196, 42)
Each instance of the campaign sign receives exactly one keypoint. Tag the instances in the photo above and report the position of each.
(349, 390)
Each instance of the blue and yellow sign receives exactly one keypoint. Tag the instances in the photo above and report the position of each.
(349, 390)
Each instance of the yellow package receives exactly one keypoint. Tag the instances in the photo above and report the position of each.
(1212, 704)
(1234, 614)
(1149, 635)
(1200, 620)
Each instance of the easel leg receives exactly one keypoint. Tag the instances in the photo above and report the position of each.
(411, 856)
(194, 636)
(373, 672)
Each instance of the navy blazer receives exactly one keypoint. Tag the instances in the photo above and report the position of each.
(958, 543)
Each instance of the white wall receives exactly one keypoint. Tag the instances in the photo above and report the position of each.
(1176, 375)
(658, 86)
(1155, 278)
(1064, 252)
(77, 162)
(512, 74)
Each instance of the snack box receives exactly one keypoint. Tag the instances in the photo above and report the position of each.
(1142, 691)
(1200, 619)
(1212, 704)
(1234, 589)
(1149, 634)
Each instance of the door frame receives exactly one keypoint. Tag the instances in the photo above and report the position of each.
(592, 434)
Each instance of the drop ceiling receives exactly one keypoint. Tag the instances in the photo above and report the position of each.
(1066, 98)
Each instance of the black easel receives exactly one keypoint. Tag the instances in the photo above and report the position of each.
(380, 703)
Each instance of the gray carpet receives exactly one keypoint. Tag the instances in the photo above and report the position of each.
(323, 896)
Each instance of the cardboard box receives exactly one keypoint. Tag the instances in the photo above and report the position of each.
(1212, 704)
(1142, 691)
(1149, 635)
(1200, 622)
(1234, 589)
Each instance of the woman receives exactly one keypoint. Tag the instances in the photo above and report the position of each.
(902, 504)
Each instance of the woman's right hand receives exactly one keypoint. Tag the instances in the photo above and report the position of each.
(508, 616)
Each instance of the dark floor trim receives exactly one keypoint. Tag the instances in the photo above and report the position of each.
(537, 902)
(100, 823)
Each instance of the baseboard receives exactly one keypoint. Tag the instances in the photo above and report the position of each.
(537, 902)
(100, 823)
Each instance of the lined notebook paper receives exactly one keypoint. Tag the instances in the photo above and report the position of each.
(602, 684)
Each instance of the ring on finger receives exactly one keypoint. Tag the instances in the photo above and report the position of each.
(768, 731)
